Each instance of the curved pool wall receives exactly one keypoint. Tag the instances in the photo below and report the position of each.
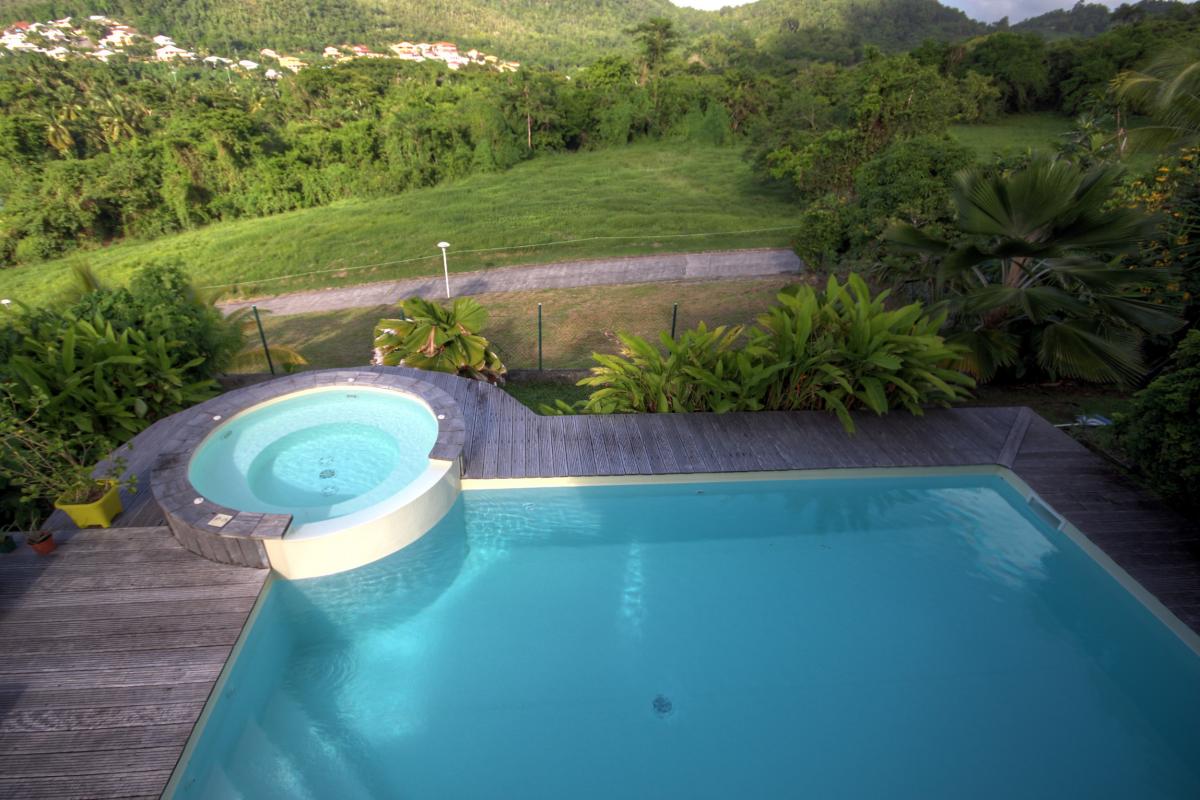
(237, 526)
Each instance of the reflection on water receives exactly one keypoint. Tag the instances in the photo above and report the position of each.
(865, 638)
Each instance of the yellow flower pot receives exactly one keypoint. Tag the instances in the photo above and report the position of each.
(101, 512)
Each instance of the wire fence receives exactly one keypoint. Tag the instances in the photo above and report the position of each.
(560, 337)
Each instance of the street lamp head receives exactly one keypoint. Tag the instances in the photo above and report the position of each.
(443, 245)
(6, 302)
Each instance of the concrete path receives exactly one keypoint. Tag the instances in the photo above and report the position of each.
(721, 265)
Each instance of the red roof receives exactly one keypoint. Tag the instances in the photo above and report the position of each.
(21, 26)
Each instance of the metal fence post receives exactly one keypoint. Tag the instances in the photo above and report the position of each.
(539, 337)
(674, 317)
(263, 338)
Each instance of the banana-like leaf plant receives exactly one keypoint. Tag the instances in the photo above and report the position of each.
(1036, 273)
(439, 339)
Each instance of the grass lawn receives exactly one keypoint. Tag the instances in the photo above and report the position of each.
(1014, 133)
(646, 192)
(575, 322)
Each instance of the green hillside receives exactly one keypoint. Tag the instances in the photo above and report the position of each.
(556, 31)
(649, 193)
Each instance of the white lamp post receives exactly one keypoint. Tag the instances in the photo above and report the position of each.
(445, 266)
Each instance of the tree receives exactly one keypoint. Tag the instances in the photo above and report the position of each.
(439, 339)
(1036, 272)
(656, 36)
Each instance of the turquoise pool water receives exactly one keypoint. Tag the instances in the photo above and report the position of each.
(317, 455)
(866, 638)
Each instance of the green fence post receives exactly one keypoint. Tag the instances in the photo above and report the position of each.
(674, 317)
(539, 337)
(263, 337)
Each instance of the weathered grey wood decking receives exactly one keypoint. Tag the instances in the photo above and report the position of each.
(112, 644)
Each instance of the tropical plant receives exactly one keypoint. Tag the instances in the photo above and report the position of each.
(87, 380)
(839, 350)
(701, 371)
(842, 349)
(1161, 431)
(1036, 272)
(439, 339)
(1168, 91)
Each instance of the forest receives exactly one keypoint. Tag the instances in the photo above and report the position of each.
(95, 153)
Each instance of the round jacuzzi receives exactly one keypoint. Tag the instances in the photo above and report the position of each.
(350, 464)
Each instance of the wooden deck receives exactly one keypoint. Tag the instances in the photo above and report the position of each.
(112, 645)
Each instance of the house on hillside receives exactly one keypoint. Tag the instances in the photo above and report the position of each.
(118, 36)
(331, 52)
(247, 64)
(267, 52)
(170, 52)
(58, 53)
(163, 41)
(272, 75)
(444, 50)
(291, 63)
(103, 54)
(218, 61)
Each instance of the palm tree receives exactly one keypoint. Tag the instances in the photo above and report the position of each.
(439, 339)
(1168, 91)
(1036, 272)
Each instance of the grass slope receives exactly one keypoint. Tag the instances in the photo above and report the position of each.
(646, 192)
(1015, 133)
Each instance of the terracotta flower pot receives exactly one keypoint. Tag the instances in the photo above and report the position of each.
(45, 546)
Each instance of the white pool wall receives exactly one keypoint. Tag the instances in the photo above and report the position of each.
(329, 546)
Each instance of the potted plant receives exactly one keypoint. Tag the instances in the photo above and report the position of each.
(37, 537)
(49, 468)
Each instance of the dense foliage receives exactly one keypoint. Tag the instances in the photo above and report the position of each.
(106, 367)
(1033, 279)
(1161, 431)
(439, 339)
(838, 350)
(80, 380)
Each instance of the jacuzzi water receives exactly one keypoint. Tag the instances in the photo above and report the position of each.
(866, 638)
(317, 455)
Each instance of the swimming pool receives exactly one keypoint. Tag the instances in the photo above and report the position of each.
(316, 455)
(867, 637)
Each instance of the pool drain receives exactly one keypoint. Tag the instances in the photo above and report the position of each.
(327, 473)
(662, 705)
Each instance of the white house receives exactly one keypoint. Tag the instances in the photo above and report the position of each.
(103, 54)
(267, 52)
(163, 41)
(247, 64)
(217, 61)
(170, 52)
(272, 75)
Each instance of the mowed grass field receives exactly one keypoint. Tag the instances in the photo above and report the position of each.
(645, 194)
(1015, 133)
(575, 322)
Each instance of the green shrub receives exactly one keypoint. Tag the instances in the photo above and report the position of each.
(702, 371)
(161, 302)
(843, 350)
(1161, 432)
(839, 350)
(86, 381)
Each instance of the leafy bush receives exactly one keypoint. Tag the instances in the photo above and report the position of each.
(842, 350)
(439, 339)
(161, 302)
(1161, 433)
(87, 381)
(838, 350)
